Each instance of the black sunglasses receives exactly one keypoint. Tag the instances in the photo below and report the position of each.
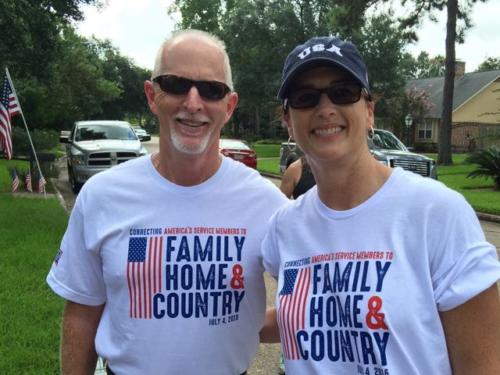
(339, 93)
(209, 90)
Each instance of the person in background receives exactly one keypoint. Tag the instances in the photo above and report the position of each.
(160, 263)
(297, 179)
(380, 270)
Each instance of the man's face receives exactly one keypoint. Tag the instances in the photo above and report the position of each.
(329, 131)
(191, 124)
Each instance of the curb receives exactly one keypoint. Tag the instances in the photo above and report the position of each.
(481, 216)
(59, 195)
(272, 175)
(488, 217)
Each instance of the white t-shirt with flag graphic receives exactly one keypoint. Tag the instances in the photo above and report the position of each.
(360, 291)
(179, 268)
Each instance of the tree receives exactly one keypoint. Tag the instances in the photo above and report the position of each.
(131, 102)
(260, 33)
(491, 63)
(455, 11)
(382, 44)
(30, 31)
(75, 89)
(428, 67)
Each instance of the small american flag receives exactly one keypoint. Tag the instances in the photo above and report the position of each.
(9, 106)
(41, 185)
(15, 180)
(144, 274)
(29, 187)
(292, 308)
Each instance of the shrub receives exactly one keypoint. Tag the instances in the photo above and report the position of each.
(488, 161)
(43, 140)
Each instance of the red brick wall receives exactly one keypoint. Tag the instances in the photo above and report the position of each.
(464, 136)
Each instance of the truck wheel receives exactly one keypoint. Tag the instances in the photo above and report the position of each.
(75, 186)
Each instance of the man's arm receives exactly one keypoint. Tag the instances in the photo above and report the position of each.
(473, 334)
(79, 327)
(270, 333)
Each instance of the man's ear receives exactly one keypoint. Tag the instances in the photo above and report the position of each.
(149, 91)
(231, 105)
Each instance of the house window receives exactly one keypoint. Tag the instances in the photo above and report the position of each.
(425, 130)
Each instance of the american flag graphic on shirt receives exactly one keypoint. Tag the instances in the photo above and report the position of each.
(292, 308)
(144, 275)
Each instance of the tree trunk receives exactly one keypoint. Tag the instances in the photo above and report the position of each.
(444, 144)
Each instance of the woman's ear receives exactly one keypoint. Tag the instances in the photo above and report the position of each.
(287, 122)
(370, 114)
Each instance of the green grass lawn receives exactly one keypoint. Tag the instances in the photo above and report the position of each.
(30, 233)
(267, 150)
(269, 165)
(268, 157)
(31, 228)
(477, 191)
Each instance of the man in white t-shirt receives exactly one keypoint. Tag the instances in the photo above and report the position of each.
(160, 264)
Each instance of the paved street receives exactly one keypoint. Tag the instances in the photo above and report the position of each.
(267, 359)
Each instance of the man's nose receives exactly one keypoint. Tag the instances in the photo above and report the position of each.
(193, 101)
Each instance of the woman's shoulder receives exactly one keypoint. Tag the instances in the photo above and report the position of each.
(419, 188)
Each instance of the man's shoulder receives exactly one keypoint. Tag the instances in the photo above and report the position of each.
(246, 182)
(246, 177)
(124, 174)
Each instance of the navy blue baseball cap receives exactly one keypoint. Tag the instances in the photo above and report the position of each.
(319, 52)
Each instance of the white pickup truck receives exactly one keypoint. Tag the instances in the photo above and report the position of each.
(384, 146)
(94, 146)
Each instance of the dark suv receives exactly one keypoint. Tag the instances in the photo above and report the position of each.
(384, 146)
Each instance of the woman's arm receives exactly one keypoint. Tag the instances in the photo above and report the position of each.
(270, 333)
(473, 334)
(291, 178)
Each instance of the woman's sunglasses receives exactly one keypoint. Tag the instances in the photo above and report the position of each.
(339, 93)
(209, 90)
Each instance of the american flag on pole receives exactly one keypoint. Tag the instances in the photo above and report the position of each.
(9, 106)
(144, 274)
(15, 180)
(292, 308)
(27, 182)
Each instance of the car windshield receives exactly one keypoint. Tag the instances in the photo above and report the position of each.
(233, 144)
(386, 141)
(95, 132)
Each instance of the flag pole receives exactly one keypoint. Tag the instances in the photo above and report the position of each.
(27, 130)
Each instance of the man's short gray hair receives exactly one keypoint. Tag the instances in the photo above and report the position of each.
(202, 35)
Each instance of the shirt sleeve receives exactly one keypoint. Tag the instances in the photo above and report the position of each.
(76, 273)
(466, 263)
(269, 249)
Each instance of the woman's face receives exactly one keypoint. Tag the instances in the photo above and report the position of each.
(328, 131)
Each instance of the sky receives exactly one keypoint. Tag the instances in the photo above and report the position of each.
(138, 27)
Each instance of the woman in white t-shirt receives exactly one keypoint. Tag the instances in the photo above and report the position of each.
(380, 271)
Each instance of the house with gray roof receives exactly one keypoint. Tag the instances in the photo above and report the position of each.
(476, 110)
